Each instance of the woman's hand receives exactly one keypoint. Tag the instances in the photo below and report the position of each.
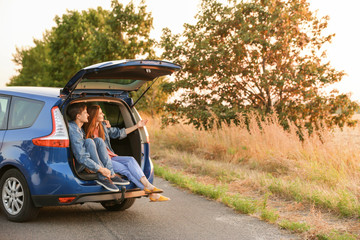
(142, 123)
(108, 125)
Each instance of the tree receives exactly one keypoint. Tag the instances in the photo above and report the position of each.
(33, 65)
(263, 55)
(80, 39)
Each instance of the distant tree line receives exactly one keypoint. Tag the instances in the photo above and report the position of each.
(244, 56)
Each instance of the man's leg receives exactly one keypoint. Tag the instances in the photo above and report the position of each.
(91, 148)
(102, 180)
(103, 154)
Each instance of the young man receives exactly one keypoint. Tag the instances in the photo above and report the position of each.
(91, 153)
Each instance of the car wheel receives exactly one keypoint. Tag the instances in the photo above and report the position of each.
(16, 201)
(116, 206)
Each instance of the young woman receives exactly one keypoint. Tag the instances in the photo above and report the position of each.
(124, 165)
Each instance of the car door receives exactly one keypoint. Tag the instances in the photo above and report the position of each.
(116, 77)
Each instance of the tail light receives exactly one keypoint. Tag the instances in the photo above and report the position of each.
(59, 136)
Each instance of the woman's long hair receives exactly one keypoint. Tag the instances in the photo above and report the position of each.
(89, 127)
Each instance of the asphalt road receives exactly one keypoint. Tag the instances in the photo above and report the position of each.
(186, 216)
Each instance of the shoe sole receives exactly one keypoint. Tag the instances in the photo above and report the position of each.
(157, 200)
(121, 183)
(150, 192)
(157, 191)
(106, 187)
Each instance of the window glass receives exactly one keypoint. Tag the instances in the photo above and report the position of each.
(4, 101)
(23, 112)
(107, 81)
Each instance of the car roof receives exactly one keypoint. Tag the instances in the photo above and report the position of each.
(32, 92)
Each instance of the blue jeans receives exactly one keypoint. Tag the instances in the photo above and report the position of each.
(128, 167)
(97, 149)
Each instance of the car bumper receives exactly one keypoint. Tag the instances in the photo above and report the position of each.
(54, 200)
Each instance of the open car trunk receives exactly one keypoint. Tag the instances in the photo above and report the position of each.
(119, 115)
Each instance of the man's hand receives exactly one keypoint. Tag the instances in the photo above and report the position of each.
(104, 171)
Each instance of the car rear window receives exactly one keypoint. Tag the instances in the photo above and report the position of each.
(113, 114)
(23, 112)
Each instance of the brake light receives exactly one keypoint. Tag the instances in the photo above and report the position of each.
(59, 136)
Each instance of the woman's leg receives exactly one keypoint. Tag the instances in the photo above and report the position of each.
(128, 171)
(130, 164)
(134, 168)
(130, 168)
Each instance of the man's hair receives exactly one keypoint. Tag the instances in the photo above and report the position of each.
(75, 109)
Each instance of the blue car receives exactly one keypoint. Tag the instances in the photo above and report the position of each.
(37, 166)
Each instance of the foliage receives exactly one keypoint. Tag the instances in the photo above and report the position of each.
(34, 64)
(80, 39)
(263, 55)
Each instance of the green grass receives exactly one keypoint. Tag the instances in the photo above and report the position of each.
(269, 215)
(298, 227)
(240, 204)
(340, 201)
(335, 235)
(207, 190)
(348, 204)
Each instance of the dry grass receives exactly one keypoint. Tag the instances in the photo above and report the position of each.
(333, 162)
(324, 173)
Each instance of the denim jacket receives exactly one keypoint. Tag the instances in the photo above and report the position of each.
(77, 141)
(113, 132)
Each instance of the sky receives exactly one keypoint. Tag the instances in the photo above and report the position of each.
(22, 20)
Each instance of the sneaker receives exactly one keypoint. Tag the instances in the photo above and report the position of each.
(119, 181)
(107, 184)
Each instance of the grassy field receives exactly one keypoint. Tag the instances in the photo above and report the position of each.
(309, 187)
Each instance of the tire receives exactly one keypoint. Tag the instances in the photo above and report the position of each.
(15, 196)
(115, 206)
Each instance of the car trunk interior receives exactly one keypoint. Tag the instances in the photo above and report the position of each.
(119, 115)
